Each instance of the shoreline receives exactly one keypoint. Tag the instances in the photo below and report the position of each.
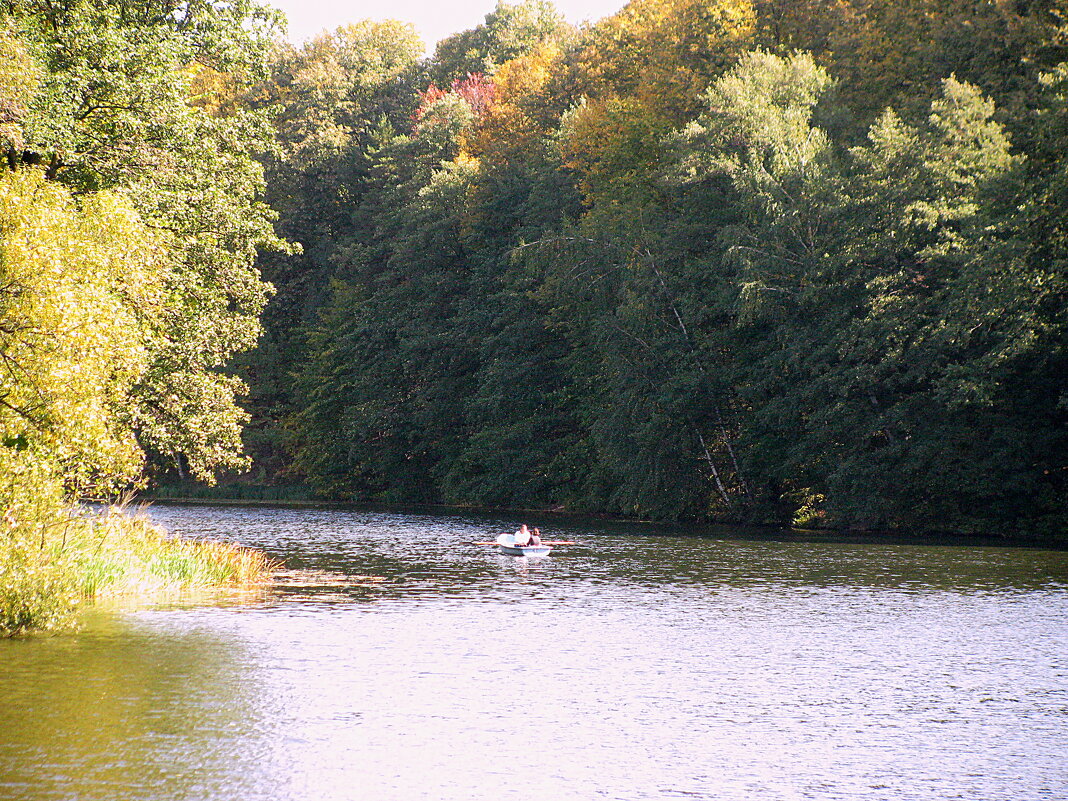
(746, 531)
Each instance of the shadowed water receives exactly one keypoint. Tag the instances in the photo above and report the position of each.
(396, 660)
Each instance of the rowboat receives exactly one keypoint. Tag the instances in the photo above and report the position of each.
(506, 542)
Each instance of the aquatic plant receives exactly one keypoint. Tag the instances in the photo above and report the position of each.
(50, 567)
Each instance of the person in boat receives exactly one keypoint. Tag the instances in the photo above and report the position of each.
(522, 537)
(535, 538)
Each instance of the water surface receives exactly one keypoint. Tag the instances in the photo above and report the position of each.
(399, 661)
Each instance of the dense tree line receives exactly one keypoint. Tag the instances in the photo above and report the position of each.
(755, 260)
(744, 259)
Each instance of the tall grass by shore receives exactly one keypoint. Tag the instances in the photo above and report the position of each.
(50, 567)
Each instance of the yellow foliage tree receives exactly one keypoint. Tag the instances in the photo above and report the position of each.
(665, 52)
(613, 146)
(82, 283)
(522, 108)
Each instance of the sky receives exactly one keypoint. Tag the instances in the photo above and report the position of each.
(433, 19)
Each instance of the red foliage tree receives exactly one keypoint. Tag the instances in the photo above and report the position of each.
(476, 89)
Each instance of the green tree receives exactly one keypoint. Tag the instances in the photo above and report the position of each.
(895, 52)
(509, 31)
(641, 268)
(886, 303)
(113, 108)
(334, 103)
(380, 398)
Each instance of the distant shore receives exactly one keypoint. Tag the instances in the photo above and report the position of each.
(755, 531)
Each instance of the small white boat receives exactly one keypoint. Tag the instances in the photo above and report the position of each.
(506, 542)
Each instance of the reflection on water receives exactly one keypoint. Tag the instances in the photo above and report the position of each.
(396, 660)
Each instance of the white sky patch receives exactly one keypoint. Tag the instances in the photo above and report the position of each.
(433, 20)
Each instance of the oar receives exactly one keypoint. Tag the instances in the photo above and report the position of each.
(543, 542)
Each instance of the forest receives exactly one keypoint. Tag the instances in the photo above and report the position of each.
(800, 262)
(790, 262)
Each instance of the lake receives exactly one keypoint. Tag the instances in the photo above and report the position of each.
(397, 660)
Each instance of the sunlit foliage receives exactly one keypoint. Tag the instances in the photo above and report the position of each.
(131, 215)
(509, 31)
(82, 294)
(663, 53)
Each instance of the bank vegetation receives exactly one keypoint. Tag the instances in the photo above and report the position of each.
(130, 219)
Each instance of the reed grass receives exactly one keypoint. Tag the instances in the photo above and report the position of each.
(51, 567)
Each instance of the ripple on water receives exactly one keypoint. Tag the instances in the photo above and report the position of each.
(395, 659)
